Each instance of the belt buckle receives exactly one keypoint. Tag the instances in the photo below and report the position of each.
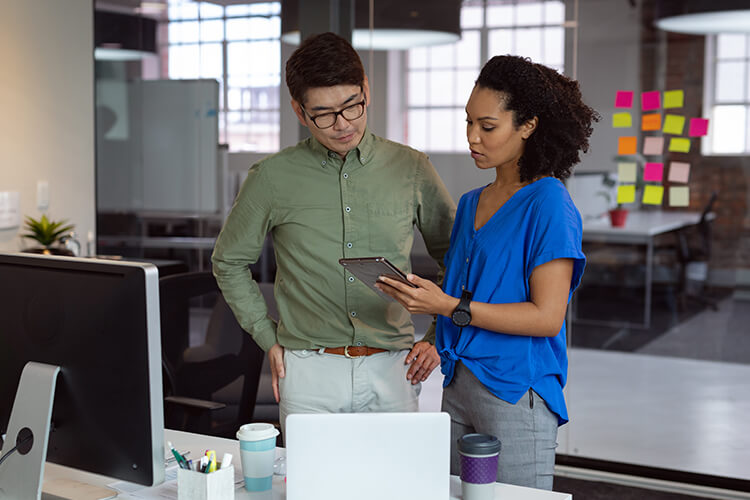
(346, 353)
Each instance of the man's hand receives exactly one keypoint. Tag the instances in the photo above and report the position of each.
(276, 361)
(423, 358)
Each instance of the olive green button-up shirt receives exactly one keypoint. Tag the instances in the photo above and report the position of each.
(319, 208)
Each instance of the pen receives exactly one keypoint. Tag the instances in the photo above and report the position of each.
(180, 459)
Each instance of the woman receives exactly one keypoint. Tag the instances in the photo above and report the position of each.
(515, 260)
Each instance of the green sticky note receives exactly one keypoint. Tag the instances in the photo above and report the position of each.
(652, 194)
(679, 196)
(679, 145)
(621, 120)
(626, 193)
(674, 98)
(673, 124)
(626, 172)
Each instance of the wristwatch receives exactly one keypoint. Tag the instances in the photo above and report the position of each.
(461, 315)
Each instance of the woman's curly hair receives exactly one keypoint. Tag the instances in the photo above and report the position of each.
(565, 122)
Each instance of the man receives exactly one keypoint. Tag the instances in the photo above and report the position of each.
(344, 192)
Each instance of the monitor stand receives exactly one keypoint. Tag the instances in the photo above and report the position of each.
(22, 473)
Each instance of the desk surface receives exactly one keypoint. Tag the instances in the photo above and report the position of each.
(197, 443)
(639, 225)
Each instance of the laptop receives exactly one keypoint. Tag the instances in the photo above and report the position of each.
(368, 456)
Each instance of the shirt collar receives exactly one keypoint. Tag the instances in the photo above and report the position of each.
(364, 150)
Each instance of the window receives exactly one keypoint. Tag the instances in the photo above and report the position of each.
(727, 94)
(239, 46)
(440, 78)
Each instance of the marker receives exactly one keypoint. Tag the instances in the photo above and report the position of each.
(180, 459)
(211, 454)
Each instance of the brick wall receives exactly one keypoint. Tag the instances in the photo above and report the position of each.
(675, 61)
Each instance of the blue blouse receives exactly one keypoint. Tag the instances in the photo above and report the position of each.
(539, 223)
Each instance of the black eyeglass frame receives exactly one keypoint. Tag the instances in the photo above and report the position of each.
(336, 114)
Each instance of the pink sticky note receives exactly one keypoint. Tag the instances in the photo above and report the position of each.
(624, 99)
(653, 145)
(650, 100)
(653, 172)
(698, 127)
(679, 172)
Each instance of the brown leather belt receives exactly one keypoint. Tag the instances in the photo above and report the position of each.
(352, 351)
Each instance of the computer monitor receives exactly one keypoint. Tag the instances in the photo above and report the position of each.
(98, 321)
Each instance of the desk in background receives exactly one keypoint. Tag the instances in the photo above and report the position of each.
(197, 444)
(641, 229)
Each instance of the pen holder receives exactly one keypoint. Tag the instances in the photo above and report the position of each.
(217, 485)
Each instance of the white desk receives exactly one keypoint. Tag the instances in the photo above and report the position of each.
(640, 229)
(197, 444)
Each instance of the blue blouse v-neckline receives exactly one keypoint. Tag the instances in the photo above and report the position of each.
(513, 197)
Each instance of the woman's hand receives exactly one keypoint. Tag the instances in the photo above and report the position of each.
(427, 298)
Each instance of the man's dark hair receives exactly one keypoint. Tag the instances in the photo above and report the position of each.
(323, 60)
(565, 122)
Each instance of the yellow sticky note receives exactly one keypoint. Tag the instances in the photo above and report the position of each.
(652, 194)
(679, 145)
(626, 193)
(626, 172)
(674, 98)
(621, 120)
(679, 196)
(674, 124)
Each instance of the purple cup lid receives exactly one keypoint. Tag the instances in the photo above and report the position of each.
(479, 444)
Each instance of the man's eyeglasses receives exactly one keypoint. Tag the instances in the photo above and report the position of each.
(327, 120)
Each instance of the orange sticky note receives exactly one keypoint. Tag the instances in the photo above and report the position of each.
(651, 122)
(626, 146)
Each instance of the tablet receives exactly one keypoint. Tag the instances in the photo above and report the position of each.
(368, 269)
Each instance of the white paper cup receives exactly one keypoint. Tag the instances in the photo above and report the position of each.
(257, 452)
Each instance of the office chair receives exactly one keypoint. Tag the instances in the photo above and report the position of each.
(694, 252)
(209, 388)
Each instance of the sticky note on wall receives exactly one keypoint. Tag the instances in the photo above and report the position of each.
(621, 120)
(652, 194)
(626, 172)
(650, 100)
(679, 145)
(653, 172)
(698, 127)
(651, 121)
(626, 193)
(679, 196)
(624, 99)
(674, 98)
(626, 146)
(679, 172)
(653, 145)
(674, 124)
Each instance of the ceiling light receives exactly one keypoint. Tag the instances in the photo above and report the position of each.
(701, 17)
(397, 24)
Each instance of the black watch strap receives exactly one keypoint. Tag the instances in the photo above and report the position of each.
(461, 315)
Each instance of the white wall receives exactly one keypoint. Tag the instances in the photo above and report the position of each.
(47, 98)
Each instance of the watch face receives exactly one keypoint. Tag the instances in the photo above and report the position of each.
(461, 318)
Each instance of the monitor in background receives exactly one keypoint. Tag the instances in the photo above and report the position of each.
(98, 321)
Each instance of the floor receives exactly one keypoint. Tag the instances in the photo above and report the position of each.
(655, 407)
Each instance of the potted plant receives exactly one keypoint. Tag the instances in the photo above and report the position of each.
(617, 215)
(47, 233)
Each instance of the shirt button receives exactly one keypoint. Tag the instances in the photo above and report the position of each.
(346, 176)
(349, 245)
(359, 343)
(331, 153)
(354, 314)
(467, 260)
(348, 209)
(351, 279)
(323, 163)
(462, 287)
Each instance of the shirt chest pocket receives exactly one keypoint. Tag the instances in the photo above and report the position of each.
(390, 226)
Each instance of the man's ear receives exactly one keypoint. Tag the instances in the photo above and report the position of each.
(366, 90)
(297, 107)
(529, 127)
